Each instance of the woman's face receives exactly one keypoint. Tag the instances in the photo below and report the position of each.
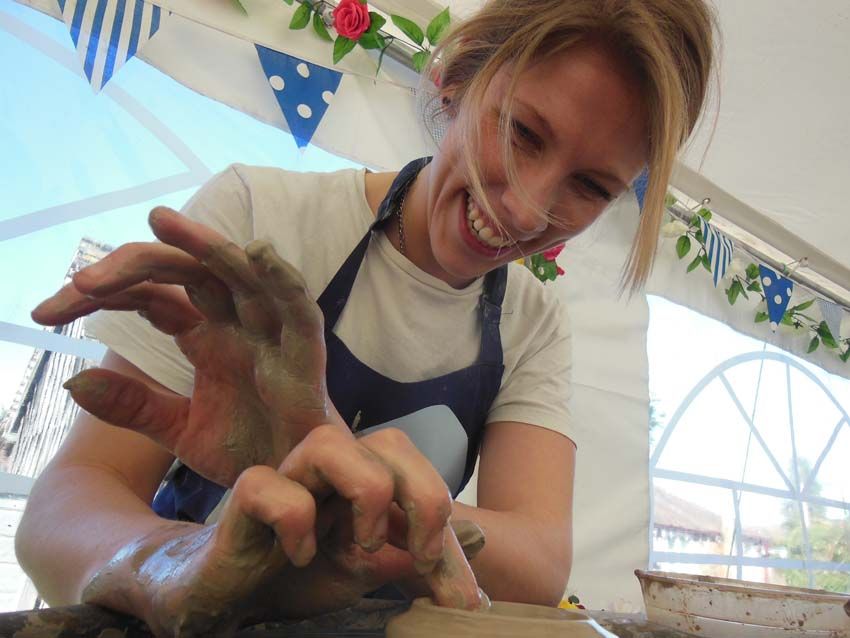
(579, 140)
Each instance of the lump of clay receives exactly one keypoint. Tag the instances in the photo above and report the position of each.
(426, 620)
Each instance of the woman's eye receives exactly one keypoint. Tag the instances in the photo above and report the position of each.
(594, 189)
(524, 136)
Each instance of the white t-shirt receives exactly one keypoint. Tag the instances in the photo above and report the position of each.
(400, 321)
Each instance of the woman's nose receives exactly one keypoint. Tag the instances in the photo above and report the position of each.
(528, 207)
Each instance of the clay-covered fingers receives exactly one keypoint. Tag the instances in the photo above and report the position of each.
(166, 307)
(264, 500)
(225, 260)
(419, 490)
(328, 460)
(129, 403)
(372, 473)
(452, 581)
(134, 263)
(299, 314)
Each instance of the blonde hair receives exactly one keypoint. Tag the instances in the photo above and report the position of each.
(667, 44)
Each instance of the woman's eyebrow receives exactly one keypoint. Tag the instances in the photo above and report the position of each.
(541, 121)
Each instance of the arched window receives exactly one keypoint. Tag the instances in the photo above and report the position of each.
(750, 449)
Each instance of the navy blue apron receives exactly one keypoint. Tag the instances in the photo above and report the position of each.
(366, 399)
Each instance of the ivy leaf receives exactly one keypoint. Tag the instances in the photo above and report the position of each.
(787, 319)
(694, 223)
(320, 28)
(803, 306)
(683, 246)
(761, 316)
(705, 214)
(734, 291)
(438, 26)
(239, 6)
(845, 355)
(752, 272)
(376, 21)
(289, 2)
(420, 59)
(372, 41)
(826, 335)
(342, 47)
(696, 262)
(698, 236)
(301, 17)
(706, 263)
(754, 286)
(813, 345)
(669, 200)
(409, 28)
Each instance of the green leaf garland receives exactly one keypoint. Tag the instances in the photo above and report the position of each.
(750, 281)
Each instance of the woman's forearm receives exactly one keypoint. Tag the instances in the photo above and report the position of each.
(77, 518)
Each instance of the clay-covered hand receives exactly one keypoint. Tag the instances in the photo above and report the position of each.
(245, 321)
(310, 537)
(383, 510)
(190, 580)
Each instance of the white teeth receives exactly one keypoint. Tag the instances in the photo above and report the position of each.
(479, 227)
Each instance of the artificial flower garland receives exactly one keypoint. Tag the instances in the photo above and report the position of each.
(356, 25)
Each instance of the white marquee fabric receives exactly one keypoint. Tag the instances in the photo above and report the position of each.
(778, 147)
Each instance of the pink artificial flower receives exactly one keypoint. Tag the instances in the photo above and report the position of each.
(560, 271)
(552, 253)
(351, 18)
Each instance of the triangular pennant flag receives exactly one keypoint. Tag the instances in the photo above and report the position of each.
(832, 314)
(107, 33)
(303, 91)
(777, 291)
(639, 187)
(719, 249)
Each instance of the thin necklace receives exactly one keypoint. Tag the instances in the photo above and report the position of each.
(400, 215)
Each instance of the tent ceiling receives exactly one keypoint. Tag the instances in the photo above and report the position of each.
(777, 139)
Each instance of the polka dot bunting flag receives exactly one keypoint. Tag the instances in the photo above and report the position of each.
(303, 91)
(777, 291)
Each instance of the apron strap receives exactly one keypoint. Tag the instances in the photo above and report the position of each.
(333, 299)
(490, 304)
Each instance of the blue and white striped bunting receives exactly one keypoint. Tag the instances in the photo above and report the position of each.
(107, 33)
(719, 249)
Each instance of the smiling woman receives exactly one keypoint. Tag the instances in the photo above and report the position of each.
(286, 396)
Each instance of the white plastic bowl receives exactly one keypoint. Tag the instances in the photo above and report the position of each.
(721, 607)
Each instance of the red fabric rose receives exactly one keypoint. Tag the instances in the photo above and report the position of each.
(351, 18)
(561, 272)
(552, 253)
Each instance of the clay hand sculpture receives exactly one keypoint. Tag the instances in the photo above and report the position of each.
(317, 518)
